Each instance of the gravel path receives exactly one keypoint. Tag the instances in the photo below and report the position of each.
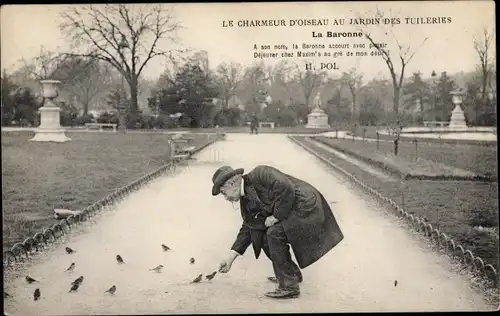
(179, 211)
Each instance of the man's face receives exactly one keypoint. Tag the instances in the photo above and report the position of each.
(231, 189)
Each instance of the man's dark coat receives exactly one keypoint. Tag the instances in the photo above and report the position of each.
(307, 219)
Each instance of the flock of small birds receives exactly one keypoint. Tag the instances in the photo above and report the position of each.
(78, 282)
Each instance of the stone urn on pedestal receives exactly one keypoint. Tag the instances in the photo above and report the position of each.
(50, 129)
(457, 120)
(317, 118)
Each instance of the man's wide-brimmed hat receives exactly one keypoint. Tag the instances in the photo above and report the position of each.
(223, 174)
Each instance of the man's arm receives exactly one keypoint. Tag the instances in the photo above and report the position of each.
(283, 189)
(243, 240)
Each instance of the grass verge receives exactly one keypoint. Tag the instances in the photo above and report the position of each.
(371, 132)
(424, 160)
(454, 207)
(39, 177)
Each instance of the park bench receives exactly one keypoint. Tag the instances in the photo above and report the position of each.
(182, 147)
(101, 125)
(266, 124)
(436, 123)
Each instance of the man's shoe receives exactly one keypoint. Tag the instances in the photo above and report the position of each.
(275, 280)
(282, 293)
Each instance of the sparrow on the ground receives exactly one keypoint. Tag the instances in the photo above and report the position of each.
(395, 282)
(211, 275)
(30, 279)
(165, 247)
(78, 281)
(36, 294)
(119, 259)
(69, 250)
(157, 269)
(111, 290)
(71, 267)
(191, 260)
(198, 279)
(74, 287)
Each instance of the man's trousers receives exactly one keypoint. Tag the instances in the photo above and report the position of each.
(276, 248)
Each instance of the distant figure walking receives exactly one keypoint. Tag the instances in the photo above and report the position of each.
(254, 125)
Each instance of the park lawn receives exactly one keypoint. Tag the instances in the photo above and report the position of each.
(424, 158)
(454, 207)
(39, 177)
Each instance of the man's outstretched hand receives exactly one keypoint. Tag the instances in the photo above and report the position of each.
(226, 264)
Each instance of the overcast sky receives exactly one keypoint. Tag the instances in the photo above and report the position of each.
(449, 47)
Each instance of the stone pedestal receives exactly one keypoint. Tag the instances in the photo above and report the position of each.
(457, 118)
(317, 119)
(50, 129)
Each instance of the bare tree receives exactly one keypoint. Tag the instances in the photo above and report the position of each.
(309, 81)
(43, 66)
(84, 78)
(227, 78)
(353, 80)
(281, 82)
(254, 87)
(200, 58)
(127, 36)
(395, 129)
(166, 79)
(482, 46)
(404, 53)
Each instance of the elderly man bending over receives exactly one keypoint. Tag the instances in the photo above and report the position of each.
(278, 210)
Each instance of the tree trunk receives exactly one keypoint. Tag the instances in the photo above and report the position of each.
(354, 104)
(484, 85)
(85, 108)
(395, 100)
(396, 143)
(134, 107)
(353, 114)
(307, 95)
